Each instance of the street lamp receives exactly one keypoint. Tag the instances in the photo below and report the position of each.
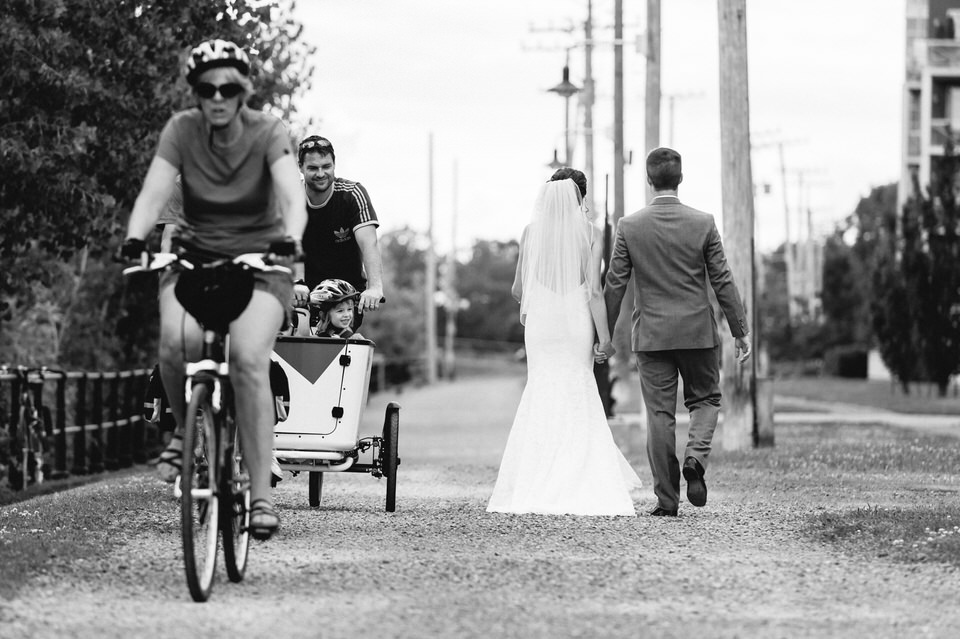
(566, 90)
(555, 163)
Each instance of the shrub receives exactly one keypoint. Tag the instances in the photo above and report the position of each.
(846, 361)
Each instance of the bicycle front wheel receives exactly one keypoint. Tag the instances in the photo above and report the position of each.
(199, 506)
(235, 506)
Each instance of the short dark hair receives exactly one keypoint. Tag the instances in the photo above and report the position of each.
(664, 169)
(315, 143)
(566, 173)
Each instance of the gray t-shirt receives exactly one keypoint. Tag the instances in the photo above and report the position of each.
(228, 192)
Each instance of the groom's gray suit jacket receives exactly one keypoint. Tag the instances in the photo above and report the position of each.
(675, 253)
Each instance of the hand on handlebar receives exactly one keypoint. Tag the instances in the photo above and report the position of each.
(132, 249)
(287, 247)
(370, 299)
(301, 295)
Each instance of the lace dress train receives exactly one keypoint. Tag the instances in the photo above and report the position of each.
(560, 456)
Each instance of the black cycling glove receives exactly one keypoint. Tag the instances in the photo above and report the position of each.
(287, 247)
(132, 249)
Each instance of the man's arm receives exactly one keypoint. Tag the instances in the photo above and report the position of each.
(721, 279)
(618, 277)
(372, 265)
(290, 195)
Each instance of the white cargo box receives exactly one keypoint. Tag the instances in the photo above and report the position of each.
(329, 379)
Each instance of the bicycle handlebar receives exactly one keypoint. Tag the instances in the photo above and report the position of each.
(160, 261)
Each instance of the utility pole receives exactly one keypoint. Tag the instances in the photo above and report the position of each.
(789, 248)
(618, 111)
(587, 98)
(652, 97)
(738, 381)
(806, 284)
(627, 397)
(449, 357)
(430, 280)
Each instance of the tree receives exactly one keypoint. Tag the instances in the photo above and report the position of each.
(844, 297)
(773, 307)
(916, 293)
(931, 268)
(398, 327)
(891, 319)
(84, 92)
(484, 283)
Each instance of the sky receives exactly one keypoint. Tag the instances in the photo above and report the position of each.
(825, 80)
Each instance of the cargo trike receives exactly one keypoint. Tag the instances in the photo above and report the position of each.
(328, 381)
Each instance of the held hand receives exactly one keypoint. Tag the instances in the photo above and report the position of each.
(603, 351)
(742, 348)
(301, 295)
(370, 299)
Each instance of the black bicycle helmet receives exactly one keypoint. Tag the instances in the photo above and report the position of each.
(216, 53)
(329, 293)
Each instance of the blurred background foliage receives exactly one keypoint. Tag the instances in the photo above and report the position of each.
(85, 89)
(88, 84)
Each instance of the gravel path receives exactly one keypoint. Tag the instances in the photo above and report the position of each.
(441, 567)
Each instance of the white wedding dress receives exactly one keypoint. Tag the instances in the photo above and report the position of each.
(560, 456)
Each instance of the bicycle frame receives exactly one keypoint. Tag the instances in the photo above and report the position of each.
(212, 489)
(32, 423)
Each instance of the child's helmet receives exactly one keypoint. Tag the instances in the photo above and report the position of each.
(329, 293)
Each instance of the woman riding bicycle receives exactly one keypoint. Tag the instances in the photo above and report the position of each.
(237, 170)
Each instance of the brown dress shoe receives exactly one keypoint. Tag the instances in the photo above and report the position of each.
(696, 487)
(659, 511)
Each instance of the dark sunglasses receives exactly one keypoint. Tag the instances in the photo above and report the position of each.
(310, 145)
(230, 90)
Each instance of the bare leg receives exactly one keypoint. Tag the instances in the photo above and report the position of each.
(179, 335)
(251, 340)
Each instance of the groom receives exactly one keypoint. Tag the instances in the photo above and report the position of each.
(673, 251)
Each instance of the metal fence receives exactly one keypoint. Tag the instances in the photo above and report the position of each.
(92, 422)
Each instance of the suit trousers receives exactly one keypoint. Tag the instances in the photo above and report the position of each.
(659, 374)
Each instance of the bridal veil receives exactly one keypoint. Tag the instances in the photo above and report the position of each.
(555, 253)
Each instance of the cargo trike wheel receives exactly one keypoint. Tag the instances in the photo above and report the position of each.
(316, 488)
(389, 459)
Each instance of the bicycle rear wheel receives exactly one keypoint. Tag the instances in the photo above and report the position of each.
(199, 505)
(234, 506)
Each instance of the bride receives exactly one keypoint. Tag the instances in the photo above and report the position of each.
(560, 456)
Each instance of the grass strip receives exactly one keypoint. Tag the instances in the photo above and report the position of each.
(903, 535)
(73, 525)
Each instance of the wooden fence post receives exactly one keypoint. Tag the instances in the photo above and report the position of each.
(124, 455)
(60, 430)
(96, 444)
(80, 437)
(138, 432)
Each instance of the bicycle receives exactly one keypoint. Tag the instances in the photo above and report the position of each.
(34, 430)
(213, 487)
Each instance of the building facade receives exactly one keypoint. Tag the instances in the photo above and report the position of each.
(931, 107)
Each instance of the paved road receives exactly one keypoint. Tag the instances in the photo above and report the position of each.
(466, 420)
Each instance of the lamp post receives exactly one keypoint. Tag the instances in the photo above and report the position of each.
(555, 163)
(566, 90)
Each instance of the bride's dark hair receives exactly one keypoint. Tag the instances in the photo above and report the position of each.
(566, 173)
